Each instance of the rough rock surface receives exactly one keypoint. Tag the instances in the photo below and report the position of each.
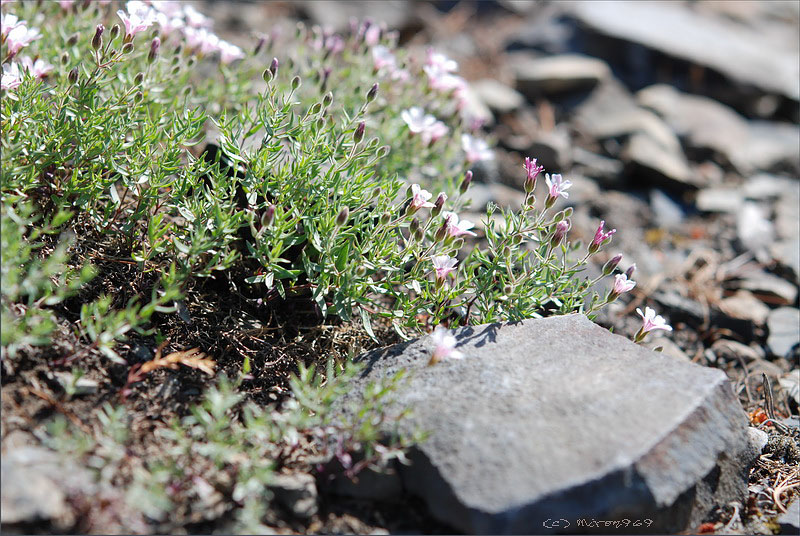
(557, 419)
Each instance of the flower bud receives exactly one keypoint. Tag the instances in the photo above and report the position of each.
(72, 77)
(372, 93)
(114, 31)
(138, 97)
(259, 45)
(97, 40)
(382, 151)
(178, 49)
(127, 48)
(273, 67)
(191, 61)
(361, 270)
(154, 46)
(414, 225)
(327, 99)
(516, 239)
(561, 230)
(64, 58)
(418, 234)
(441, 233)
(612, 264)
(315, 108)
(358, 135)
(267, 75)
(138, 79)
(508, 289)
(376, 192)
(630, 270)
(73, 39)
(506, 251)
(465, 182)
(385, 218)
(295, 82)
(268, 216)
(175, 69)
(438, 204)
(459, 243)
(341, 218)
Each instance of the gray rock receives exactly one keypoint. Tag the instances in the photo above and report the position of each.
(649, 160)
(668, 348)
(754, 231)
(337, 15)
(759, 438)
(769, 288)
(728, 200)
(296, 492)
(747, 55)
(497, 96)
(787, 253)
(557, 418)
(608, 112)
(668, 212)
(743, 305)
(773, 146)
(705, 125)
(680, 308)
(790, 519)
(764, 186)
(36, 485)
(553, 149)
(555, 74)
(784, 330)
(606, 170)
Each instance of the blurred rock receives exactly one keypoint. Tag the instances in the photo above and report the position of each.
(609, 111)
(743, 305)
(789, 521)
(758, 438)
(773, 146)
(763, 186)
(536, 77)
(679, 308)
(651, 162)
(748, 55)
(480, 194)
(336, 15)
(769, 288)
(497, 96)
(784, 330)
(476, 109)
(669, 348)
(553, 149)
(728, 200)
(754, 231)
(605, 170)
(707, 127)
(508, 451)
(668, 213)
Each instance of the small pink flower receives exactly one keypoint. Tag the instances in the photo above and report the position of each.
(557, 185)
(169, 24)
(196, 19)
(417, 120)
(440, 62)
(8, 22)
(600, 237)
(651, 321)
(622, 284)
(444, 346)
(476, 149)
(12, 77)
(170, 8)
(38, 68)
(19, 37)
(66, 4)
(201, 39)
(441, 80)
(434, 132)
(372, 35)
(382, 59)
(562, 228)
(419, 198)
(533, 172)
(443, 265)
(229, 52)
(138, 18)
(456, 228)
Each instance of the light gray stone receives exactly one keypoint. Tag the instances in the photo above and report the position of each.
(774, 146)
(608, 112)
(647, 159)
(753, 229)
(556, 74)
(759, 438)
(769, 288)
(705, 124)
(337, 15)
(557, 418)
(748, 55)
(668, 213)
(497, 96)
(553, 149)
(790, 519)
(784, 330)
(743, 305)
(604, 169)
(728, 200)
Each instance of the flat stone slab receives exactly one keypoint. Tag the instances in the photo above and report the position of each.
(551, 425)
